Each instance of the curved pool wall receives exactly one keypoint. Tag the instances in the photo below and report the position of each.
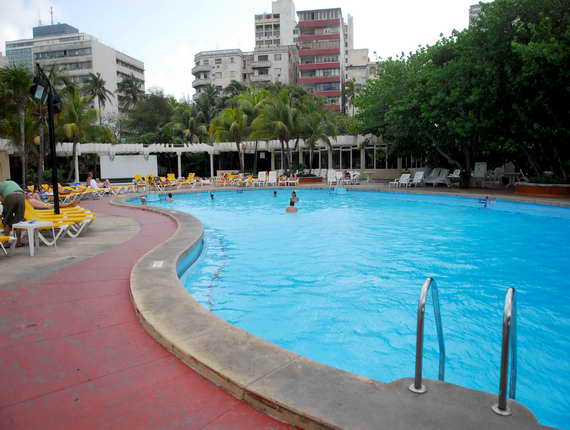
(286, 385)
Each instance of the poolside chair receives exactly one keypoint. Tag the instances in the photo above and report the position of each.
(75, 219)
(293, 181)
(442, 178)
(58, 224)
(6, 240)
(331, 177)
(272, 178)
(433, 175)
(479, 173)
(418, 179)
(454, 179)
(261, 179)
(404, 179)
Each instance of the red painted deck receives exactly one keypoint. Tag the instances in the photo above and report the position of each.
(73, 355)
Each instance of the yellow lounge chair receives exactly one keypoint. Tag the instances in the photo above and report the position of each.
(5, 240)
(75, 220)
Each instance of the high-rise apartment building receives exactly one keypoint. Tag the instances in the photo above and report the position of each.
(474, 12)
(275, 28)
(322, 51)
(217, 68)
(75, 55)
(264, 65)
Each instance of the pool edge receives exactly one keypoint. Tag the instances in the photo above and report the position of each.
(288, 386)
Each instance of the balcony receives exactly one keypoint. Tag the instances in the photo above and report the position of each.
(322, 23)
(318, 66)
(200, 82)
(260, 78)
(332, 107)
(309, 37)
(260, 64)
(319, 51)
(201, 68)
(335, 93)
(319, 80)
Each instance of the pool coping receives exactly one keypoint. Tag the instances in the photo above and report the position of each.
(283, 384)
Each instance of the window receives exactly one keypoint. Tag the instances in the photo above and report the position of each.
(232, 74)
(218, 75)
(232, 60)
(218, 61)
(278, 71)
(277, 57)
(263, 58)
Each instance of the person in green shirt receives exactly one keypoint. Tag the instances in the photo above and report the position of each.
(13, 204)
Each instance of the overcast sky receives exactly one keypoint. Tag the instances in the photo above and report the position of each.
(167, 34)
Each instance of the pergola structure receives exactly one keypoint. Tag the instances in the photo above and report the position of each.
(352, 148)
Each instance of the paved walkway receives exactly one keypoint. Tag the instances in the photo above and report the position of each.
(74, 356)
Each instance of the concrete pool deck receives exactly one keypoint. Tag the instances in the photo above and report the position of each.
(295, 389)
(74, 356)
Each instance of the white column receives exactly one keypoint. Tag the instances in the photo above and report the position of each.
(272, 160)
(179, 155)
(76, 162)
(212, 165)
(362, 159)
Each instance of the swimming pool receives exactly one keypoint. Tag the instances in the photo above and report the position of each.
(339, 281)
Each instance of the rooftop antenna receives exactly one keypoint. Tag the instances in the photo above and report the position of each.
(51, 14)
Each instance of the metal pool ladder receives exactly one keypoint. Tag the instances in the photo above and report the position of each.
(509, 344)
(417, 386)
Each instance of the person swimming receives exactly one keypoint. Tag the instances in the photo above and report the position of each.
(170, 198)
(294, 197)
(211, 196)
(274, 193)
(291, 207)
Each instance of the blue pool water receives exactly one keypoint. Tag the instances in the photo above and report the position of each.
(338, 282)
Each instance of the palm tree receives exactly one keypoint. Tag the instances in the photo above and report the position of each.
(276, 120)
(95, 88)
(234, 89)
(349, 93)
(208, 105)
(78, 118)
(251, 103)
(231, 124)
(319, 127)
(130, 92)
(15, 86)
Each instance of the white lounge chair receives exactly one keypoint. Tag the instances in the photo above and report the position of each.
(479, 173)
(331, 177)
(442, 178)
(404, 179)
(418, 179)
(433, 175)
(454, 178)
(272, 178)
(261, 179)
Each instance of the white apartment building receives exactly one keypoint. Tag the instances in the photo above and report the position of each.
(76, 55)
(359, 69)
(277, 64)
(264, 65)
(217, 68)
(474, 12)
(276, 28)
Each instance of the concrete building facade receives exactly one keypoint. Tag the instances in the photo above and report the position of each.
(217, 68)
(276, 28)
(474, 12)
(75, 55)
(277, 64)
(322, 53)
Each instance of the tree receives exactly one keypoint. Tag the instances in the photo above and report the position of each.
(319, 126)
(95, 88)
(78, 118)
(276, 120)
(251, 102)
(233, 89)
(152, 112)
(229, 125)
(130, 92)
(15, 86)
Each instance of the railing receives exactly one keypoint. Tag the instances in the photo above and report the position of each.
(509, 343)
(417, 386)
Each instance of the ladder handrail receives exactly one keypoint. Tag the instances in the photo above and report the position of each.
(509, 343)
(417, 386)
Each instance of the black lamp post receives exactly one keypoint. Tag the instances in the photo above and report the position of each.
(44, 92)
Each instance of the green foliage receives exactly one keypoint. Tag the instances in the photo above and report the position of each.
(498, 91)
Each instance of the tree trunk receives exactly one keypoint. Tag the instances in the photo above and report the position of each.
(22, 114)
(330, 157)
(310, 157)
(72, 170)
(255, 159)
(100, 116)
(533, 163)
(240, 155)
(466, 176)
